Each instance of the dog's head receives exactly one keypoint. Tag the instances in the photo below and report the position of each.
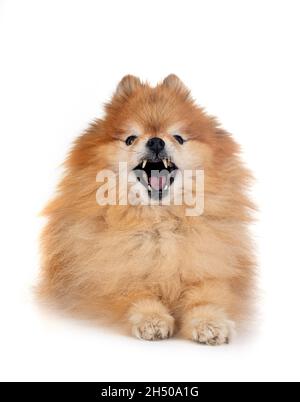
(160, 133)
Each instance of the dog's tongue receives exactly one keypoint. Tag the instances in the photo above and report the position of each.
(158, 182)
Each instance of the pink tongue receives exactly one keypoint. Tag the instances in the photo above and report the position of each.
(158, 182)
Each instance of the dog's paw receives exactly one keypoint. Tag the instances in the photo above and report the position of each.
(152, 327)
(212, 333)
(150, 320)
(208, 326)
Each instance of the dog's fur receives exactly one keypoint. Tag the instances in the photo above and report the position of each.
(152, 267)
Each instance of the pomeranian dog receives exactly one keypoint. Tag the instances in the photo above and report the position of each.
(127, 240)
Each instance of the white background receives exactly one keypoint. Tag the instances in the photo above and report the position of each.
(59, 62)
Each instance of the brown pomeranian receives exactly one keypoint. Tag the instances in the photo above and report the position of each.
(149, 224)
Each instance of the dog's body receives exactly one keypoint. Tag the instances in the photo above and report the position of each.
(153, 267)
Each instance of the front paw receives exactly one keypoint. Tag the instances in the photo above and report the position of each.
(150, 320)
(152, 327)
(208, 325)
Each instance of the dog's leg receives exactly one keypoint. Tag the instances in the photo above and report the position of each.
(150, 320)
(204, 313)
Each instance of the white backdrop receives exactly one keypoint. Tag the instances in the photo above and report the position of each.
(60, 61)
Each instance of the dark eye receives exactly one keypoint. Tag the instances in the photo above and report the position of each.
(129, 140)
(179, 139)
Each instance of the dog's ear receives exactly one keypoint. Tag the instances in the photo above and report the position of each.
(175, 83)
(127, 86)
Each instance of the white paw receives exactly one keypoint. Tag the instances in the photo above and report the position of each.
(212, 332)
(152, 326)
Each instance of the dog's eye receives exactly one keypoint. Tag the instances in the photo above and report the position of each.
(129, 140)
(179, 139)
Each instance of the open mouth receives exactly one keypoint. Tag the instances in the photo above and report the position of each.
(156, 175)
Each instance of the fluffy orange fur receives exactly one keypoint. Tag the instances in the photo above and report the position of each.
(152, 268)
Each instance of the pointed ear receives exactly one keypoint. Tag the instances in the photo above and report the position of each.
(174, 83)
(127, 86)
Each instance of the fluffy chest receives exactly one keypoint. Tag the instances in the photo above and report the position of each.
(159, 245)
(190, 253)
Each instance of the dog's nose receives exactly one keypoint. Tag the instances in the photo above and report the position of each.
(156, 145)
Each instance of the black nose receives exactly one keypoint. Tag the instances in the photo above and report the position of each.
(156, 144)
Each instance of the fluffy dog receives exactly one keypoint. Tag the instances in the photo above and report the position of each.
(151, 265)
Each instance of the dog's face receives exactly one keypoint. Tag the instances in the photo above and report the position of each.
(159, 133)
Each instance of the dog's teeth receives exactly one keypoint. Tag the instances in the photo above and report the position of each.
(149, 187)
(145, 177)
(165, 162)
(166, 187)
(144, 163)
